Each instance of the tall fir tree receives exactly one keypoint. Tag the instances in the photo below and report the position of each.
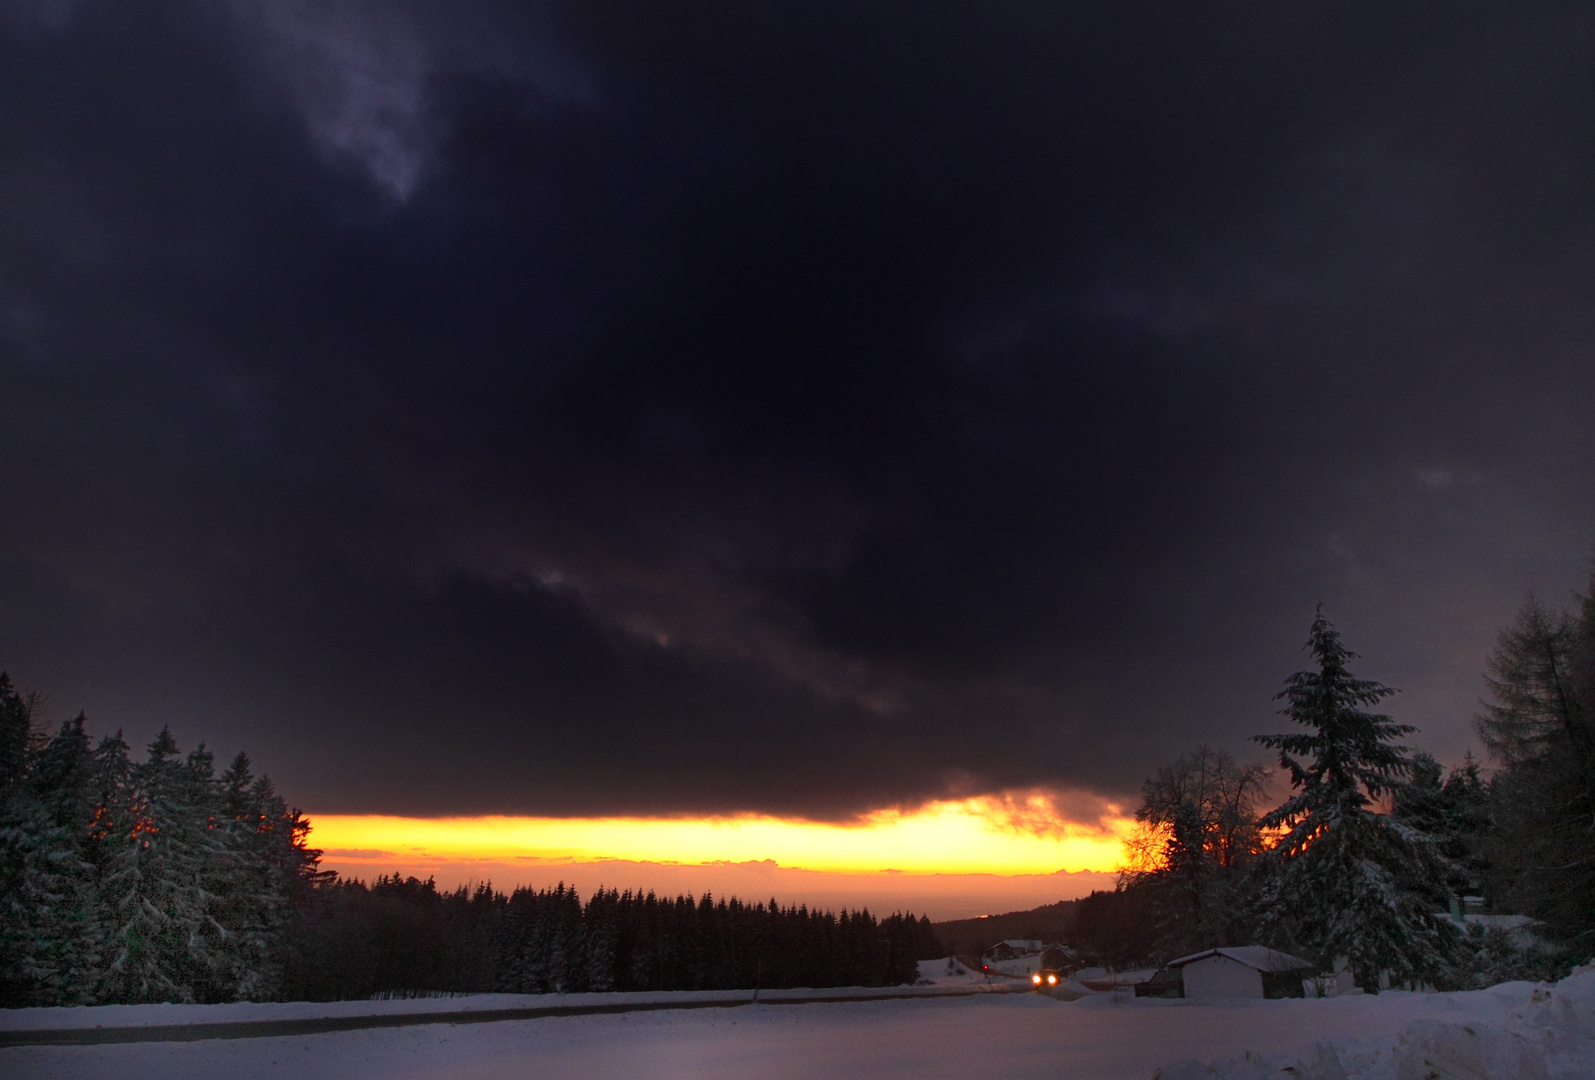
(1533, 675)
(1346, 880)
(267, 867)
(53, 905)
(1455, 812)
(1540, 727)
(16, 737)
(164, 884)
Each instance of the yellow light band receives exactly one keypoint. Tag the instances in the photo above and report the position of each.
(966, 837)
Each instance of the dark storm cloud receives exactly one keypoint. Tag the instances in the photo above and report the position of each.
(804, 407)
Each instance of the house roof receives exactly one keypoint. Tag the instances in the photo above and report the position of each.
(1253, 956)
(1027, 945)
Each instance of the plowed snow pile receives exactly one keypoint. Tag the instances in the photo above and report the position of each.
(1530, 1033)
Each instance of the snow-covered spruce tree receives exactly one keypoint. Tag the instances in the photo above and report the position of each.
(161, 885)
(149, 882)
(252, 899)
(267, 868)
(1454, 811)
(52, 921)
(45, 894)
(17, 741)
(1347, 881)
(16, 745)
(601, 918)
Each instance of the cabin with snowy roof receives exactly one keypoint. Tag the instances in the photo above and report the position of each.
(1243, 971)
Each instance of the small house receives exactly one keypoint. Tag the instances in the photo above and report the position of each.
(1013, 947)
(1245, 971)
(1468, 913)
(1024, 956)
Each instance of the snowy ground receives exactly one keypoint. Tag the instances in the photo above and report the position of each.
(1515, 1030)
(934, 979)
(137, 1016)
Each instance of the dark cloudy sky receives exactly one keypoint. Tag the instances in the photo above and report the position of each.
(799, 407)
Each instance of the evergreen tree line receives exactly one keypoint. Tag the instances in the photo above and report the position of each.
(407, 936)
(160, 880)
(131, 882)
(1377, 838)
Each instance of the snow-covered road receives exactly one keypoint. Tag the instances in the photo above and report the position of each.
(1012, 1037)
(1541, 1032)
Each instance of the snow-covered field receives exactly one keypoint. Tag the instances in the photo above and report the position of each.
(1516, 1030)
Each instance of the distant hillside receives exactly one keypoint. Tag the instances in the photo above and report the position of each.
(1051, 922)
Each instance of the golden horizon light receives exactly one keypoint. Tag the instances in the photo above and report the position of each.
(970, 836)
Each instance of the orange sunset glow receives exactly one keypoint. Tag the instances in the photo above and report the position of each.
(971, 836)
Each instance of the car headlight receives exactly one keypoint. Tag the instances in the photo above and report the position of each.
(1036, 979)
(1052, 978)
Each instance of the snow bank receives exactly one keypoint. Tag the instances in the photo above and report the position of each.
(936, 973)
(934, 981)
(1515, 1031)
(113, 1016)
